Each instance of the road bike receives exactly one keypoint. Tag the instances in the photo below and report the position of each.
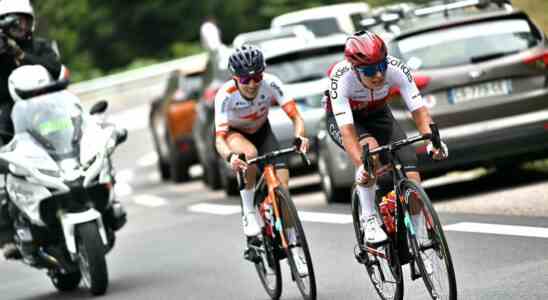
(278, 213)
(429, 258)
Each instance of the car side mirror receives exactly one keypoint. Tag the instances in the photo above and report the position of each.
(99, 107)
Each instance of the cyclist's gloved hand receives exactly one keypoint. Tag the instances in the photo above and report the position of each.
(303, 142)
(364, 178)
(236, 163)
(437, 154)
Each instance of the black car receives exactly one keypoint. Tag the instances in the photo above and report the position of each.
(482, 69)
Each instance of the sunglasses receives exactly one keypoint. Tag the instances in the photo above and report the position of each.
(371, 70)
(247, 79)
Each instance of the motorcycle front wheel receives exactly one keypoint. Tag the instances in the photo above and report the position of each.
(91, 254)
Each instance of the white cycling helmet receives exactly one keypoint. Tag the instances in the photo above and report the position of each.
(18, 7)
(27, 78)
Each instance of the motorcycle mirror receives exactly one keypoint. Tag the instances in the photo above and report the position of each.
(99, 107)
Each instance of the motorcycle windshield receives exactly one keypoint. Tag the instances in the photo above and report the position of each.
(53, 120)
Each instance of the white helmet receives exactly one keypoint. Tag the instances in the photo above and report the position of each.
(27, 78)
(17, 7)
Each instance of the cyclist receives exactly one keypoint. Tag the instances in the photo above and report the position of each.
(357, 113)
(241, 124)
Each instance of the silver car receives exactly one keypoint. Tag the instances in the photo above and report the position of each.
(482, 68)
(302, 67)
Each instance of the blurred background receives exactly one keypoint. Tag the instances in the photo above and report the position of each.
(98, 37)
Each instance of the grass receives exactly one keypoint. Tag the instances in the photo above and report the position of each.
(536, 9)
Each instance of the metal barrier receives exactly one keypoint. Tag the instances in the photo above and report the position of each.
(119, 87)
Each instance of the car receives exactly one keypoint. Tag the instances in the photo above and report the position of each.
(482, 69)
(171, 119)
(301, 66)
(261, 38)
(326, 20)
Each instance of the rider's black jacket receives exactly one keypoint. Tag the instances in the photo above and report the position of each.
(38, 51)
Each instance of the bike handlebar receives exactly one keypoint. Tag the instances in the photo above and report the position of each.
(434, 137)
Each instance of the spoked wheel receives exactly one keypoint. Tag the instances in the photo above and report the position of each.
(299, 259)
(268, 268)
(431, 253)
(382, 263)
(92, 262)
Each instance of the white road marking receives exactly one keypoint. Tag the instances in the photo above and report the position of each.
(122, 189)
(147, 160)
(215, 209)
(125, 175)
(219, 209)
(149, 200)
(325, 217)
(528, 231)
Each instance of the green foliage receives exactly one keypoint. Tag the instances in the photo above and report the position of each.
(98, 37)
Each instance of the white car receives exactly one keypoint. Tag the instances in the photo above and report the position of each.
(262, 38)
(326, 20)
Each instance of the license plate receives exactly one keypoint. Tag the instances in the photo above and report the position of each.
(482, 90)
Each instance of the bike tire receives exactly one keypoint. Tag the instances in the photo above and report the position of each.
(375, 267)
(269, 264)
(436, 250)
(308, 291)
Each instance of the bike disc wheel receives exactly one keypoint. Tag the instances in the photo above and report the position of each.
(306, 283)
(382, 263)
(268, 268)
(432, 255)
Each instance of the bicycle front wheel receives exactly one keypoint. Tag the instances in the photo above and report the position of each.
(299, 253)
(381, 263)
(268, 268)
(431, 252)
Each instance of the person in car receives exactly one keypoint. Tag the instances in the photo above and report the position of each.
(242, 127)
(357, 113)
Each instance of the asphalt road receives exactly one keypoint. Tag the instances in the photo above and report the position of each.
(185, 242)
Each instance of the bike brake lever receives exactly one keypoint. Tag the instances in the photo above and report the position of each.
(242, 182)
(366, 162)
(436, 140)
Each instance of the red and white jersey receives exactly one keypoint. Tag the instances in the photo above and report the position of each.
(347, 93)
(232, 110)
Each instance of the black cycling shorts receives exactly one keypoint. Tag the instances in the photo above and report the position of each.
(381, 125)
(265, 141)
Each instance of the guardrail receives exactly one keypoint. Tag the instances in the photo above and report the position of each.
(117, 86)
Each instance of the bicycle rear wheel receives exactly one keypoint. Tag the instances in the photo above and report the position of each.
(268, 268)
(431, 254)
(382, 263)
(305, 283)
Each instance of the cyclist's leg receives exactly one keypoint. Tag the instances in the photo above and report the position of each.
(408, 158)
(242, 143)
(366, 193)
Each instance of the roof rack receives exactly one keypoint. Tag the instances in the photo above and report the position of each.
(389, 16)
(460, 4)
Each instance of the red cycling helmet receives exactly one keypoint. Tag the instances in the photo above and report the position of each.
(364, 48)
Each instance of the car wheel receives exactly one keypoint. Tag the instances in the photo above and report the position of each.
(229, 183)
(178, 166)
(163, 165)
(211, 175)
(331, 191)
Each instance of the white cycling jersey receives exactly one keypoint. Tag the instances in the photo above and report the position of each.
(234, 111)
(347, 93)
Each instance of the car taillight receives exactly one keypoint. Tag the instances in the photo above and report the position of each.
(539, 58)
(422, 81)
(209, 95)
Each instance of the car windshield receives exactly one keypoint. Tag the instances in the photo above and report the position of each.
(466, 44)
(320, 27)
(54, 120)
(304, 65)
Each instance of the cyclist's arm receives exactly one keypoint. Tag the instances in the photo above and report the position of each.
(292, 112)
(343, 115)
(221, 125)
(287, 103)
(402, 78)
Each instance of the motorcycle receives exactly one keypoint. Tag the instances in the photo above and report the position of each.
(60, 187)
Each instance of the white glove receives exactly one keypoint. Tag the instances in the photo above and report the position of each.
(436, 154)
